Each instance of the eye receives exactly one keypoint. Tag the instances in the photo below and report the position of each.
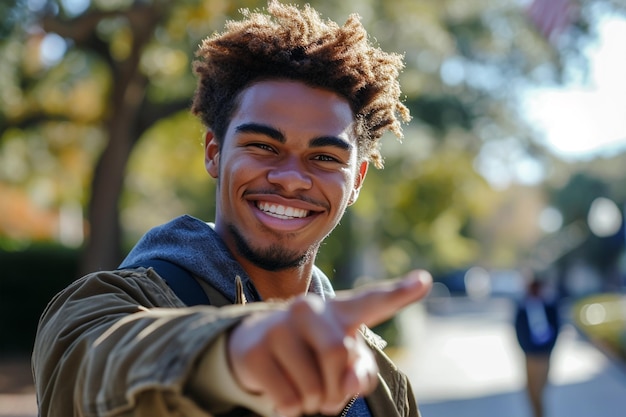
(261, 146)
(325, 158)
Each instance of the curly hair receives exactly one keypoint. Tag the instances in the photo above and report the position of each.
(296, 43)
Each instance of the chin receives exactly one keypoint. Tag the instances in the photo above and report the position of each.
(273, 257)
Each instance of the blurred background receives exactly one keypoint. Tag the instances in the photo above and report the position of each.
(515, 158)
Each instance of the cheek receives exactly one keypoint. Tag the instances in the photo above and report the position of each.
(339, 185)
(240, 170)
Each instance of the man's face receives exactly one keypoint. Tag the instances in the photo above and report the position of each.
(287, 169)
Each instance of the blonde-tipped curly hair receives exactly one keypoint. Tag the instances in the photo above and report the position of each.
(297, 44)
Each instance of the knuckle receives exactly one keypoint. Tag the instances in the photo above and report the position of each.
(312, 388)
(288, 403)
(307, 306)
(335, 350)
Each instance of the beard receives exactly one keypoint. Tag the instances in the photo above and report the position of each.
(273, 258)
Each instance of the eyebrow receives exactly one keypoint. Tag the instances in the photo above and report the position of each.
(261, 129)
(276, 134)
(330, 141)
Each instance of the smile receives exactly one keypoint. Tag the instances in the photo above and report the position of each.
(280, 211)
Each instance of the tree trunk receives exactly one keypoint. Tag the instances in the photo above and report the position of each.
(103, 247)
(102, 250)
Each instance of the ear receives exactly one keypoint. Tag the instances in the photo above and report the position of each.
(211, 154)
(358, 183)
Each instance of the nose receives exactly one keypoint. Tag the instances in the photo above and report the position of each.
(290, 175)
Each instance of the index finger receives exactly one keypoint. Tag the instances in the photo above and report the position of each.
(373, 304)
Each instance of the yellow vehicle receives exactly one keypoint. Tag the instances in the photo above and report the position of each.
(602, 318)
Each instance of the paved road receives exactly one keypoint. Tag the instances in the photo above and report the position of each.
(465, 362)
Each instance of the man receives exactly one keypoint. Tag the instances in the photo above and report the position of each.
(294, 108)
(537, 324)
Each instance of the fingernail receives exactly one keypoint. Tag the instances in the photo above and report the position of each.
(417, 277)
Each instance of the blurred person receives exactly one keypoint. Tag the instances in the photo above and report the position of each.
(537, 324)
(294, 107)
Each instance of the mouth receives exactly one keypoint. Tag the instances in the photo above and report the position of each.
(280, 211)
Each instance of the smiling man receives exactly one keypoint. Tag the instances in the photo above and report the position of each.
(286, 170)
(294, 108)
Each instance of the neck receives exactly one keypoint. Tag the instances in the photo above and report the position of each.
(280, 285)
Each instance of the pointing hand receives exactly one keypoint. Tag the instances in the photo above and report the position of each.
(309, 357)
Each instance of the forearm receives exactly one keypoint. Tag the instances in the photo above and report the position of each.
(99, 352)
(214, 386)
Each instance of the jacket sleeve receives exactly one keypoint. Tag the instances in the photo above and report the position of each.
(122, 344)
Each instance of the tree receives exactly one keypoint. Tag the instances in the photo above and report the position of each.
(124, 67)
(129, 114)
(127, 42)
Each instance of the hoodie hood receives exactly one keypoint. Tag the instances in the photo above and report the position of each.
(195, 246)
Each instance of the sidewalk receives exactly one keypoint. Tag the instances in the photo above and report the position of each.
(17, 394)
(470, 365)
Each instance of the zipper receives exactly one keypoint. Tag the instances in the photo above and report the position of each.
(253, 292)
(344, 413)
(240, 296)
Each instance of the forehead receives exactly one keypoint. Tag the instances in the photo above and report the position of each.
(293, 107)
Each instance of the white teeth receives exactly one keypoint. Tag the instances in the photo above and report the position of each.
(281, 211)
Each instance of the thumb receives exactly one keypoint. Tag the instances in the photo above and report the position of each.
(373, 304)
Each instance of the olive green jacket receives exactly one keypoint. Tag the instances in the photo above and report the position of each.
(121, 343)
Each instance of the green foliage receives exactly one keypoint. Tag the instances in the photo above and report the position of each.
(12, 13)
(575, 198)
(442, 112)
(431, 205)
(427, 208)
(574, 201)
(166, 176)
